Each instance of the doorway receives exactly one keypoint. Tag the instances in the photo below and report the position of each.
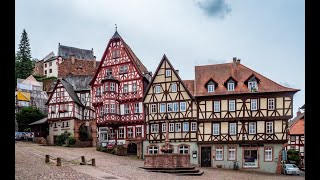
(132, 149)
(205, 156)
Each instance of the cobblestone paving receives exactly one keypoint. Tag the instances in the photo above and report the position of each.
(30, 165)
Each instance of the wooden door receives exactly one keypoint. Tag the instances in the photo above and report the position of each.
(205, 156)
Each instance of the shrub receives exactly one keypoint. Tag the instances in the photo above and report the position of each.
(71, 140)
(293, 155)
(61, 139)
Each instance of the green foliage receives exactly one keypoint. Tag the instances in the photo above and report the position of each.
(71, 140)
(293, 155)
(61, 139)
(24, 65)
(28, 115)
(41, 79)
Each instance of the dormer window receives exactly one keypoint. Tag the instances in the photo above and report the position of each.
(253, 86)
(230, 86)
(210, 87)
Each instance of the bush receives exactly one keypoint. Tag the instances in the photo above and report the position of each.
(293, 155)
(71, 140)
(61, 139)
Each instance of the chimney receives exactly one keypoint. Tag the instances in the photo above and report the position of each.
(234, 62)
(73, 58)
(177, 71)
(238, 61)
(94, 62)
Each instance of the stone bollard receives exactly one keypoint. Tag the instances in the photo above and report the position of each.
(83, 160)
(47, 159)
(93, 162)
(58, 161)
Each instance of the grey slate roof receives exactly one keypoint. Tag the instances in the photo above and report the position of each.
(71, 92)
(79, 82)
(295, 119)
(116, 35)
(50, 59)
(41, 121)
(66, 51)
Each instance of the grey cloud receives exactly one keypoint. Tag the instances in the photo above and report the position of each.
(215, 8)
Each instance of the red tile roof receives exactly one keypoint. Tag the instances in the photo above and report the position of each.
(80, 67)
(220, 73)
(298, 127)
(189, 85)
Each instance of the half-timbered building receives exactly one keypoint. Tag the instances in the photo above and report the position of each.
(170, 105)
(242, 116)
(70, 108)
(117, 91)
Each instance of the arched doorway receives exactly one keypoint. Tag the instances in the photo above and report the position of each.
(84, 132)
(132, 149)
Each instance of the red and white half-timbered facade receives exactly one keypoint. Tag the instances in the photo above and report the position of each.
(117, 91)
(69, 108)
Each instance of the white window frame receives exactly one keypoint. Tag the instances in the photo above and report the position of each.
(136, 108)
(185, 126)
(219, 153)
(112, 133)
(153, 150)
(125, 88)
(138, 131)
(193, 126)
(173, 87)
(232, 153)
(153, 108)
(184, 149)
(271, 104)
(178, 127)
(232, 105)
(252, 127)
(171, 127)
(175, 106)
(112, 87)
(268, 154)
(98, 92)
(168, 72)
(107, 109)
(126, 109)
(162, 107)
(216, 129)
(154, 128)
(169, 107)
(183, 106)
(254, 104)
(231, 86)
(216, 106)
(130, 132)
(112, 108)
(269, 127)
(210, 87)
(232, 128)
(121, 133)
(157, 89)
(134, 87)
(108, 72)
(252, 84)
(101, 110)
(164, 127)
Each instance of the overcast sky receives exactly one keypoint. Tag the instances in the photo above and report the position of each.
(267, 35)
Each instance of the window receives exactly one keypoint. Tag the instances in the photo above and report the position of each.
(134, 87)
(269, 127)
(232, 153)
(67, 124)
(216, 106)
(230, 86)
(106, 88)
(171, 127)
(112, 108)
(157, 89)
(98, 92)
(232, 104)
(130, 132)
(115, 53)
(211, 88)
(112, 87)
(250, 158)
(175, 107)
(254, 104)
(252, 127)
(83, 98)
(45, 64)
(252, 86)
(45, 72)
(268, 154)
(185, 126)
(164, 127)
(123, 69)
(138, 131)
(219, 153)
(125, 88)
(50, 70)
(162, 107)
(108, 72)
(50, 63)
(121, 133)
(53, 108)
(169, 107)
(154, 128)
(126, 109)
(153, 150)
(271, 104)
(101, 110)
(293, 138)
(62, 124)
(55, 125)
(178, 127)
(193, 126)
(107, 109)
(63, 107)
(111, 134)
(232, 128)
(173, 87)
(183, 106)
(136, 108)
(168, 72)
(215, 128)
(153, 108)
(183, 149)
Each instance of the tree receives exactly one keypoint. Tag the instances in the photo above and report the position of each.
(28, 115)
(24, 65)
(293, 155)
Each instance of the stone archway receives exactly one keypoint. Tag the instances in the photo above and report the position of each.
(84, 132)
(132, 149)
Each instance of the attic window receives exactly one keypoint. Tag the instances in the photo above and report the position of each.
(253, 86)
(115, 53)
(231, 86)
(168, 72)
(210, 87)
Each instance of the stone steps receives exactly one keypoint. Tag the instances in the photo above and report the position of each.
(175, 170)
(167, 168)
(179, 171)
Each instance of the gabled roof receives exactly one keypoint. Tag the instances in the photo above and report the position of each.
(164, 58)
(66, 51)
(241, 73)
(296, 125)
(41, 121)
(79, 82)
(136, 62)
(31, 80)
(189, 85)
(79, 67)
